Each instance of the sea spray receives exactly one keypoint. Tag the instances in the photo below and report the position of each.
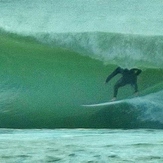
(122, 49)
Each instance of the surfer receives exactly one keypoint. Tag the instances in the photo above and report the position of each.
(128, 77)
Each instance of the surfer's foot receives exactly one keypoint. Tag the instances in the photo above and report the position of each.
(113, 99)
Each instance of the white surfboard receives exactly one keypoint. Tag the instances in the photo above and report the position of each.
(105, 103)
(127, 100)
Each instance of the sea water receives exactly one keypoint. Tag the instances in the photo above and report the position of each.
(81, 145)
(55, 56)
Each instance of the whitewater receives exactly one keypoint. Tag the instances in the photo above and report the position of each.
(55, 56)
(81, 145)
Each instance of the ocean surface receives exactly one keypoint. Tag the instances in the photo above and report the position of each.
(81, 145)
(55, 56)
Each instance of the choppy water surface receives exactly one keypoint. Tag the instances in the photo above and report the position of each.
(81, 145)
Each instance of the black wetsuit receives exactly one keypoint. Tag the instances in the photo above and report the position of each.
(128, 77)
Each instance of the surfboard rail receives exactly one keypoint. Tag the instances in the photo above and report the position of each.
(104, 104)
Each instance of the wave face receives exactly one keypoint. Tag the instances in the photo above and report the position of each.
(53, 64)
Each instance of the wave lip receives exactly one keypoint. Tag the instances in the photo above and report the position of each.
(126, 50)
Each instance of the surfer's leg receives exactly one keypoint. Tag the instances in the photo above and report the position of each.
(135, 86)
(119, 83)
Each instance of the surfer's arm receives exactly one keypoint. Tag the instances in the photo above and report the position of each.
(137, 71)
(114, 73)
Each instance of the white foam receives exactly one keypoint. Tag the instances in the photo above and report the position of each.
(151, 106)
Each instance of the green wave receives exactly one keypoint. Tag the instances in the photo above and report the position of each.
(44, 87)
